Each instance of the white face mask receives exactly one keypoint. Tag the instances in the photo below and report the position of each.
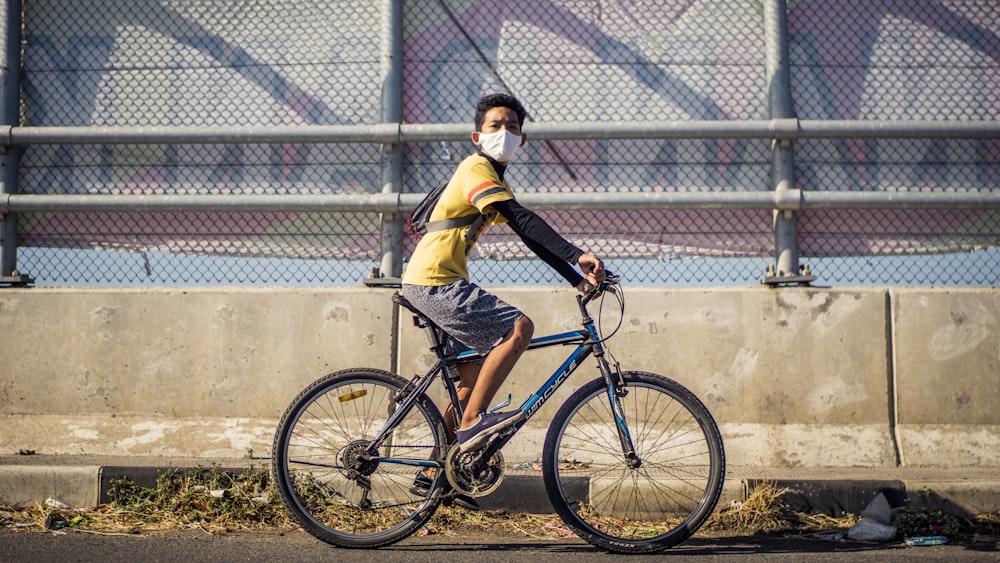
(500, 145)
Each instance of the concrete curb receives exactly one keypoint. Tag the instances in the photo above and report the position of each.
(83, 482)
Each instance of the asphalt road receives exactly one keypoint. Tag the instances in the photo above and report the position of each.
(296, 546)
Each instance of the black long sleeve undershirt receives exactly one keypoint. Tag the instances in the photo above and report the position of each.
(541, 239)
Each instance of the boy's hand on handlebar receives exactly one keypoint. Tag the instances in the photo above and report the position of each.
(593, 271)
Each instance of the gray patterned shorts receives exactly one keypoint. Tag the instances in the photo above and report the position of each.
(469, 314)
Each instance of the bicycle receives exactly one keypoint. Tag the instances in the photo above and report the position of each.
(632, 462)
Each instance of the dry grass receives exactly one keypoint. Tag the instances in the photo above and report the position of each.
(764, 511)
(216, 503)
(208, 499)
(113, 520)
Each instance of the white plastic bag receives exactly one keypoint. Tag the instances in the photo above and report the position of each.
(875, 523)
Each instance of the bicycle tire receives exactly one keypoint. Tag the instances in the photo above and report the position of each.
(634, 510)
(334, 495)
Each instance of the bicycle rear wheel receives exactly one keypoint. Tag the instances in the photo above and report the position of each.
(618, 507)
(325, 473)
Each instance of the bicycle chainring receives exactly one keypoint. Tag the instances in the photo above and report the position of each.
(471, 475)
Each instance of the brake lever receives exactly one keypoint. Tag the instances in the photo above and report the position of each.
(610, 278)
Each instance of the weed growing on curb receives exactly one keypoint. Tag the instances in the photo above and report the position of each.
(208, 498)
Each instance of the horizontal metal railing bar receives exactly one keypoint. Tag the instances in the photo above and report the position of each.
(905, 129)
(209, 134)
(899, 200)
(585, 201)
(393, 133)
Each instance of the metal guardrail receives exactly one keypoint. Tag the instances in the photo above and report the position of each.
(395, 133)
(386, 133)
(402, 203)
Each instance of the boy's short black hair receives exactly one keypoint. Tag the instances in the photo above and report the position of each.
(500, 100)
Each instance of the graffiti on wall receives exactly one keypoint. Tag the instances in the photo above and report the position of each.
(259, 63)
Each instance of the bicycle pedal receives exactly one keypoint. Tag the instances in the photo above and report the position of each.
(502, 405)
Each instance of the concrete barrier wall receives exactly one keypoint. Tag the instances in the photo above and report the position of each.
(946, 349)
(796, 377)
(172, 372)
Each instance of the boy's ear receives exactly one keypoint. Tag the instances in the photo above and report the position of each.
(475, 137)
(523, 139)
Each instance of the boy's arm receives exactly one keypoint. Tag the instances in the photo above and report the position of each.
(564, 268)
(548, 244)
(528, 225)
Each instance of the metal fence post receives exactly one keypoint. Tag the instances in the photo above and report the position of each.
(392, 153)
(10, 100)
(779, 93)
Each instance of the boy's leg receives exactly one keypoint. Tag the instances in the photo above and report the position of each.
(483, 322)
(495, 369)
(467, 376)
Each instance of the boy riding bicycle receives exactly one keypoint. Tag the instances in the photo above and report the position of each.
(436, 280)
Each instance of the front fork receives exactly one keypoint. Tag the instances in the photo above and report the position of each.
(615, 384)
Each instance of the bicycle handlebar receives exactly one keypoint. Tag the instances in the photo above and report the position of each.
(610, 279)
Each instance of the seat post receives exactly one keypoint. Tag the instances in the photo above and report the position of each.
(434, 334)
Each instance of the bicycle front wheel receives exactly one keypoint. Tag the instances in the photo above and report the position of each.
(634, 506)
(334, 482)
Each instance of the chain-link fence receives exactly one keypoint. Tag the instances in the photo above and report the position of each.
(256, 63)
(921, 60)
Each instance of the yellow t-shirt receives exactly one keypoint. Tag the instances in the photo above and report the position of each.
(441, 257)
